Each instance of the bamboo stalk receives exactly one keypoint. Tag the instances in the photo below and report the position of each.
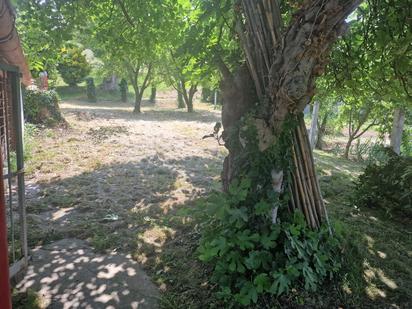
(304, 193)
(314, 180)
(308, 173)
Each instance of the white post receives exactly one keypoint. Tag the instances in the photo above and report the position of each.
(397, 129)
(314, 125)
(215, 100)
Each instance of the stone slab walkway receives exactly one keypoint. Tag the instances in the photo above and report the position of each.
(69, 274)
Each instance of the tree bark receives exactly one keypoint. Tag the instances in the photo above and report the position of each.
(138, 91)
(137, 101)
(188, 95)
(281, 69)
(153, 91)
(321, 132)
(313, 126)
(347, 148)
(397, 129)
(180, 101)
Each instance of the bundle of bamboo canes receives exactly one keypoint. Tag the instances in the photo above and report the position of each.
(261, 37)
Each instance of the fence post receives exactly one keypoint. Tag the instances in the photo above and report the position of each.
(19, 122)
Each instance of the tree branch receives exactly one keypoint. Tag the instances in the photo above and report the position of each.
(124, 11)
(374, 122)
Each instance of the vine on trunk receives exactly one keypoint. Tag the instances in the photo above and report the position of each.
(254, 249)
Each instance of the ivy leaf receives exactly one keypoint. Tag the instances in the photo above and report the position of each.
(268, 240)
(207, 253)
(310, 278)
(261, 282)
(262, 208)
(280, 285)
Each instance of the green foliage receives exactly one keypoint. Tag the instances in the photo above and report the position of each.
(41, 107)
(123, 90)
(73, 66)
(253, 257)
(44, 27)
(387, 186)
(91, 90)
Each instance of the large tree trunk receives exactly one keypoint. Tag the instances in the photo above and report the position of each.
(282, 66)
(397, 129)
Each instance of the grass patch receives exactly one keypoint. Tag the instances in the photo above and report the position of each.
(27, 300)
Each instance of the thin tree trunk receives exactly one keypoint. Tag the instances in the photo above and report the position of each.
(139, 91)
(313, 126)
(397, 129)
(347, 147)
(153, 91)
(188, 95)
(321, 132)
(137, 100)
(180, 101)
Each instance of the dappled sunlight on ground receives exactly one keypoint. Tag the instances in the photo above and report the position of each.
(69, 274)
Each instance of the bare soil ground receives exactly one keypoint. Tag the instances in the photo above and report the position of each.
(111, 164)
(111, 176)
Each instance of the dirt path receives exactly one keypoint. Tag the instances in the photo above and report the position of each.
(111, 176)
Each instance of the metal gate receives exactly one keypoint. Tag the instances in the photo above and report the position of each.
(11, 143)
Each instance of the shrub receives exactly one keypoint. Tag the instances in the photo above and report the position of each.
(41, 107)
(123, 90)
(252, 257)
(91, 90)
(387, 186)
(73, 66)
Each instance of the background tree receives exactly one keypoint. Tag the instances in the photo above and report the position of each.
(44, 28)
(375, 61)
(73, 66)
(129, 37)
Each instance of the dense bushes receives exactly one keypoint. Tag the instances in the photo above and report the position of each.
(387, 185)
(73, 66)
(41, 107)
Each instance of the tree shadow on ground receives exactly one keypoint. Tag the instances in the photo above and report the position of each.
(109, 198)
(134, 208)
(117, 110)
(116, 207)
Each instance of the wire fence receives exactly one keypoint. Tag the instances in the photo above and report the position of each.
(11, 144)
